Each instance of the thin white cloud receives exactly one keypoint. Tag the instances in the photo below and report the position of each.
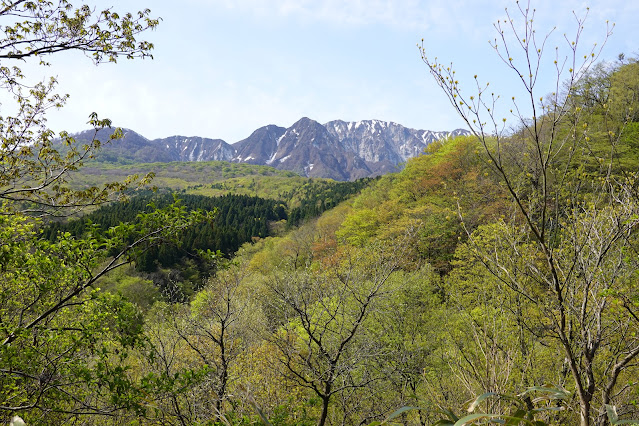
(403, 14)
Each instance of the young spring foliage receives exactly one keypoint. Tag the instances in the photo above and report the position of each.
(564, 248)
(64, 344)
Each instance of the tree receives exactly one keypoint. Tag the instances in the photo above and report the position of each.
(215, 329)
(564, 249)
(33, 170)
(409, 327)
(63, 343)
(325, 344)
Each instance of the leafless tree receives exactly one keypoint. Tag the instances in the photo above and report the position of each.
(325, 344)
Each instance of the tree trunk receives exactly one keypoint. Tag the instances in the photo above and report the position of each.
(584, 411)
(324, 416)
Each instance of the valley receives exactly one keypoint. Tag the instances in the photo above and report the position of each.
(344, 273)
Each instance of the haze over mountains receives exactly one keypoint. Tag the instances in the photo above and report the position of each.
(339, 150)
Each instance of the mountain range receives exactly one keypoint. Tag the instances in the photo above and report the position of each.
(338, 149)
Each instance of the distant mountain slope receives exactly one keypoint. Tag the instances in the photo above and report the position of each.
(383, 145)
(259, 146)
(197, 149)
(309, 149)
(338, 150)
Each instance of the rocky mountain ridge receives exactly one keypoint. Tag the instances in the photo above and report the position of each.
(338, 149)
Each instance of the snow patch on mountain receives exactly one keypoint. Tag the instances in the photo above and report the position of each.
(337, 149)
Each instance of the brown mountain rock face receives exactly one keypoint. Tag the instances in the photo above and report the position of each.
(338, 149)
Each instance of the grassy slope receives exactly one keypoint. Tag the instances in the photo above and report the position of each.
(211, 178)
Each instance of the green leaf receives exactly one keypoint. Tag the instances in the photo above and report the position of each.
(472, 417)
(516, 417)
(479, 399)
(613, 417)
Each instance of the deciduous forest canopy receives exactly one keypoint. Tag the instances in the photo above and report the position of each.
(499, 268)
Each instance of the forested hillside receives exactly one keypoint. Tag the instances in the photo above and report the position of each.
(177, 268)
(492, 280)
(427, 289)
(237, 219)
(432, 286)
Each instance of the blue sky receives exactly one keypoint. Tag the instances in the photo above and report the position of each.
(223, 68)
